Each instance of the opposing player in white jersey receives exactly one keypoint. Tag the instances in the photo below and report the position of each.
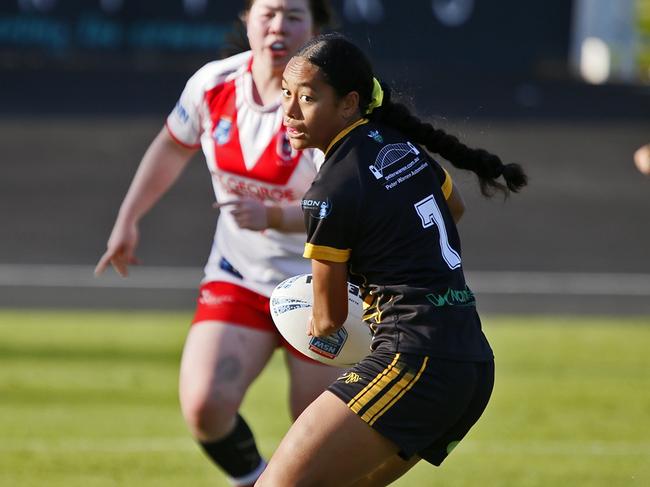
(231, 110)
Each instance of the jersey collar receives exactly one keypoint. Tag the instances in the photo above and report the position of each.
(345, 132)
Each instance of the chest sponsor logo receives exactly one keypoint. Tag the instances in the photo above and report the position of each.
(452, 297)
(318, 209)
(390, 155)
(221, 133)
(253, 189)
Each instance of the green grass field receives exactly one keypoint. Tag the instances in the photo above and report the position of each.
(89, 399)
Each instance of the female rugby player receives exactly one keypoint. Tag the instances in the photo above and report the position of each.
(377, 214)
(231, 110)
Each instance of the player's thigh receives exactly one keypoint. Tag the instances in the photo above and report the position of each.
(327, 445)
(223, 358)
(388, 472)
(308, 379)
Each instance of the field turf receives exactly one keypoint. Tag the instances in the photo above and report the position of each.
(89, 399)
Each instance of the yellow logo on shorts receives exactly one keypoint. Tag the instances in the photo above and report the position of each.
(350, 377)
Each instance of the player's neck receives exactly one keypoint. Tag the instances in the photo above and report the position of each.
(266, 84)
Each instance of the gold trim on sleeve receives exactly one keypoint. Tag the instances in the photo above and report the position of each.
(447, 186)
(326, 253)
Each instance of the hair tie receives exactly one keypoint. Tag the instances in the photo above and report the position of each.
(377, 96)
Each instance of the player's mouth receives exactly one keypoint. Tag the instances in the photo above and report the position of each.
(294, 133)
(279, 49)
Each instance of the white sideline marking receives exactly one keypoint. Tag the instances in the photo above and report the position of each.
(185, 444)
(187, 278)
(575, 283)
(79, 276)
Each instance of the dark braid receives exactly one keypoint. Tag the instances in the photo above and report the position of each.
(346, 68)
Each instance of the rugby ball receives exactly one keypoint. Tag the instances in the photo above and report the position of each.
(291, 306)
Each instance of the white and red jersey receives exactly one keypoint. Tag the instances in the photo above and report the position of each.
(249, 156)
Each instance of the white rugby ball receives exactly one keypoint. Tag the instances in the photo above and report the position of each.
(291, 306)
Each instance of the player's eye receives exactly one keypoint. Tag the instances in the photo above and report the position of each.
(306, 98)
(285, 93)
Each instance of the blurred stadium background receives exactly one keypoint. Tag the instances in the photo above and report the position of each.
(560, 86)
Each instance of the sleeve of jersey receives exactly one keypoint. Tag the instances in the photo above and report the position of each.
(330, 224)
(442, 175)
(183, 123)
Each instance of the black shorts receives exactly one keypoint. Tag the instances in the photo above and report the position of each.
(424, 405)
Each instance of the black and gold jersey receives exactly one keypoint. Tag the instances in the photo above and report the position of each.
(379, 204)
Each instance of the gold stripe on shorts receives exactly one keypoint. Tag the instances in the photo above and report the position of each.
(369, 392)
(393, 395)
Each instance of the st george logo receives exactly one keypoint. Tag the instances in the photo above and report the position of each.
(283, 149)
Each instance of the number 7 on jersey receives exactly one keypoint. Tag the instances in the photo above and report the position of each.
(430, 214)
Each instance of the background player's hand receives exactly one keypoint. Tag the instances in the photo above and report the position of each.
(642, 159)
(249, 214)
(120, 250)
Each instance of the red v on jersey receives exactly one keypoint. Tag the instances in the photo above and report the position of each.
(277, 162)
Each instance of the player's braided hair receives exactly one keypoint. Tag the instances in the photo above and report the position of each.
(346, 68)
(236, 40)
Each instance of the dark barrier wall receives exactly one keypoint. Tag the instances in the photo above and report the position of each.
(403, 37)
(508, 36)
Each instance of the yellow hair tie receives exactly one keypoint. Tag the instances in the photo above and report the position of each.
(377, 96)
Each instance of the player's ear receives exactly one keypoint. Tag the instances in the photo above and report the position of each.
(350, 104)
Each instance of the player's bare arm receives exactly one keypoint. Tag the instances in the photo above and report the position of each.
(160, 167)
(330, 296)
(256, 215)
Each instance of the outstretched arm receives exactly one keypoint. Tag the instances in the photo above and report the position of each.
(160, 167)
(256, 215)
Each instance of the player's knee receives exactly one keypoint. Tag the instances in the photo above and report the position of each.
(210, 415)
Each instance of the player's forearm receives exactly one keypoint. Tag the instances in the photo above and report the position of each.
(329, 282)
(288, 218)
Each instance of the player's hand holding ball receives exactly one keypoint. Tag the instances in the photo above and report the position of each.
(291, 308)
